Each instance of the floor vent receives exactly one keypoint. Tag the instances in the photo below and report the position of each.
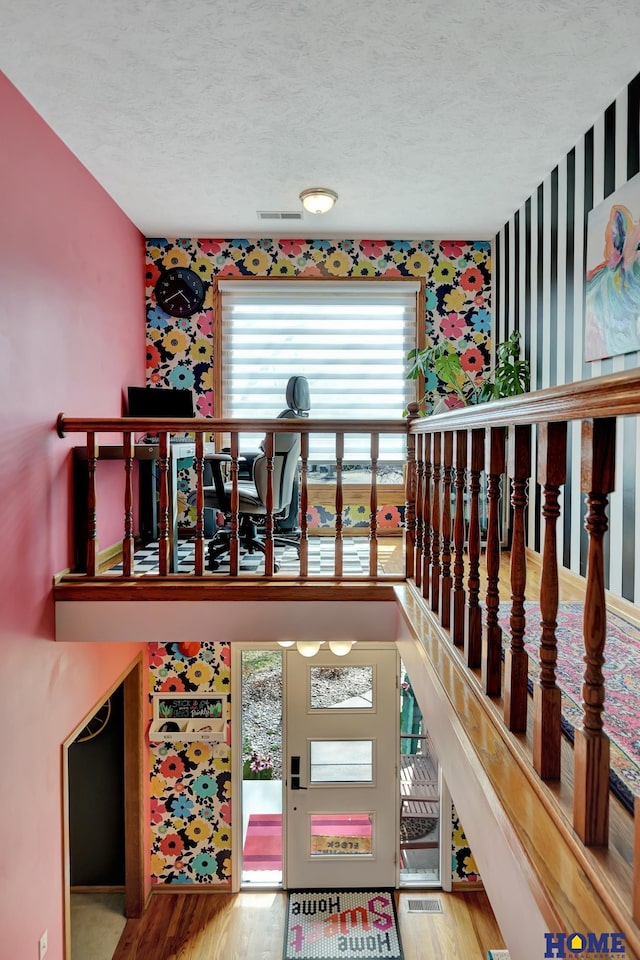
(432, 905)
(278, 215)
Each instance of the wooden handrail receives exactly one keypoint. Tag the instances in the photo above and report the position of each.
(158, 425)
(613, 395)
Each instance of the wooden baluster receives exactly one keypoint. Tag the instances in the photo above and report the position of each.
(198, 463)
(410, 508)
(127, 543)
(446, 582)
(591, 745)
(435, 524)
(458, 596)
(92, 501)
(419, 501)
(234, 506)
(304, 504)
(516, 661)
(373, 517)
(339, 504)
(163, 504)
(547, 698)
(269, 447)
(492, 644)
(473, 635)
(426, 513)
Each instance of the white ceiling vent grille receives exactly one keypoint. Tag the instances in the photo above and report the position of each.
(432, 905)
(279, 215)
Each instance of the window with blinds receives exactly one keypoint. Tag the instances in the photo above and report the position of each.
(349, 339)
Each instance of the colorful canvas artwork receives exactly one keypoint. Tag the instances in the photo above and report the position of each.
(612, 305)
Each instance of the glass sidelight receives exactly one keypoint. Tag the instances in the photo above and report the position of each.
(262, 774)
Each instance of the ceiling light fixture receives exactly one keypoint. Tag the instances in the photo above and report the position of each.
(308, 648)
(286, 643)
(340, 647)
(318, 199)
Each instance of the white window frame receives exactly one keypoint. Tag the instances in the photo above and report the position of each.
(352, 390)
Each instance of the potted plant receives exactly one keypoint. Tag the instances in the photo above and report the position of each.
(256, 767)
(510, 376)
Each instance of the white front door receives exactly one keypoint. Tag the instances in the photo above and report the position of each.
(341, 781)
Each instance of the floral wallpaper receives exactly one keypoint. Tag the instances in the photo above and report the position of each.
(463, 864)
(190, 784)
(180, 351)
(191, 832)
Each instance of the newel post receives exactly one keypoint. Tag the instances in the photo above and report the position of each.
(163, 504)
(410, 493)
(92, 502)
(128, 543)
(198, 464)
(591, 748)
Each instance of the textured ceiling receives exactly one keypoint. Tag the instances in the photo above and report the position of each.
(428, 119)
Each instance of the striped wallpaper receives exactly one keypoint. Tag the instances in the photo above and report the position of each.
(539, 290)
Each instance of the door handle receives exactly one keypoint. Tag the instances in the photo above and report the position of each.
(295, 774)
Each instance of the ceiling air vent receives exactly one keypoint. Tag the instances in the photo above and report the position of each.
(279, 215)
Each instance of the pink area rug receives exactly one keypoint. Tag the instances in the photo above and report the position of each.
(621, 675)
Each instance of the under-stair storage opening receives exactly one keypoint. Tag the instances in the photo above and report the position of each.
(419, 804)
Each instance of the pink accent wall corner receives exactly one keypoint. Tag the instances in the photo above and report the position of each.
(72, 336)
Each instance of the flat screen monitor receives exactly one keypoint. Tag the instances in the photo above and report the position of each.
(159, 402)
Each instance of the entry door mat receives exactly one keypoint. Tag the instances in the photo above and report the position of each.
(621, 718)
(332, 833)
(263, 843)
(333, 924)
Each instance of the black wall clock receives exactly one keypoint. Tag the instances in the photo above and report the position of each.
(180, 292)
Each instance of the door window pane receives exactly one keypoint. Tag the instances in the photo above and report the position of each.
(341, 834)
(341, 761)
(343, 688)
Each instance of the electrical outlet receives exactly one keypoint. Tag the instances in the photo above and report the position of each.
(42, 945)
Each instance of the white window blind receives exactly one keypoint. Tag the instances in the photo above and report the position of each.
(349, 339)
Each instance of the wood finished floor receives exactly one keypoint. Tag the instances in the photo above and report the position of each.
(250, 926)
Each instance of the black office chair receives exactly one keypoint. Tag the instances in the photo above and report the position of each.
(298, 406)
(252, 487)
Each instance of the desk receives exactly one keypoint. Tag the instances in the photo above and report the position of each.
(146, 454)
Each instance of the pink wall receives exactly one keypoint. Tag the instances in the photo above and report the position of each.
(72, 335)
